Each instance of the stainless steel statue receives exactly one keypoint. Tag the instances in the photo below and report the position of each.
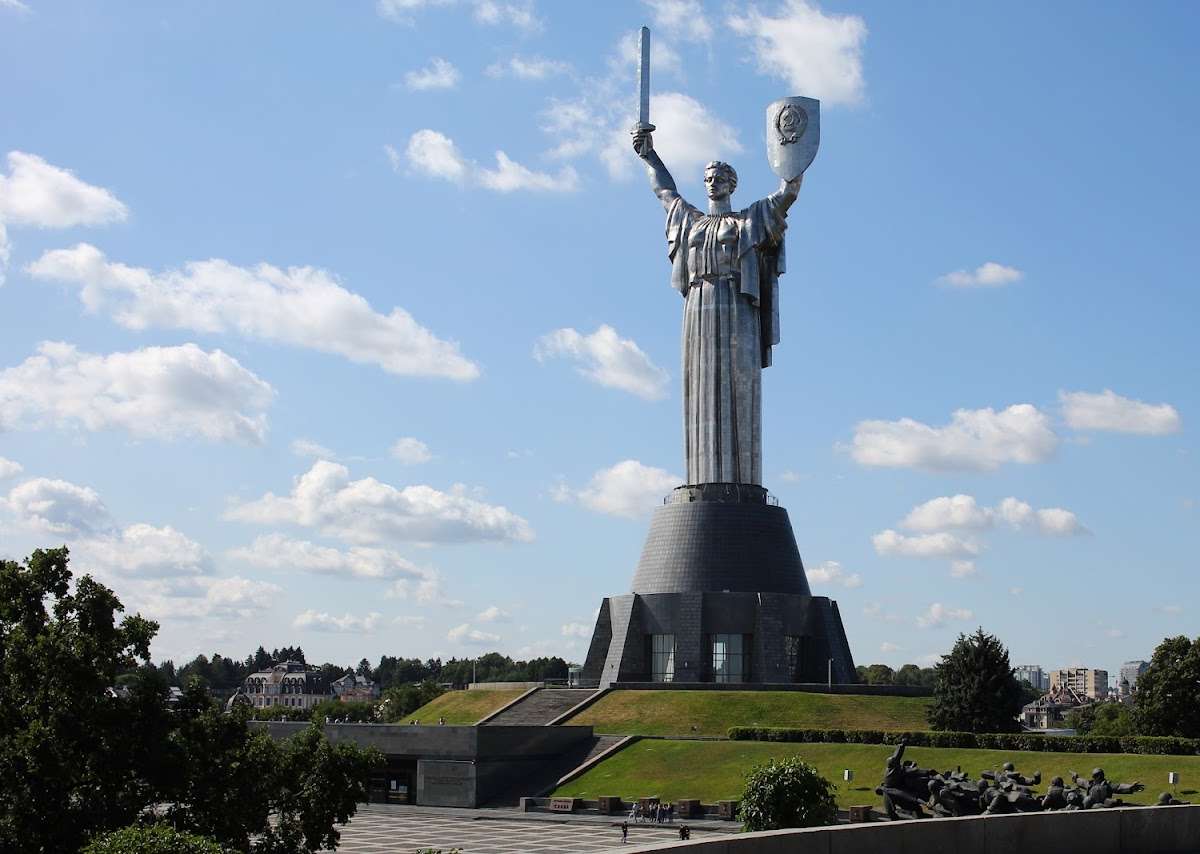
(726, 264)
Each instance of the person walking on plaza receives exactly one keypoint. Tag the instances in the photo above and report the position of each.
(624, 832)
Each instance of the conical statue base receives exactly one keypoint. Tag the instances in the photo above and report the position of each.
(719, 595)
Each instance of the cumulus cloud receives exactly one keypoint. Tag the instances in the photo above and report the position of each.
(689, 136)
(519, 14)
(493, 614)
(974, 440)
(963, 569)
(831, 572)
(813, 52)
(987, 275)
(38, 195)
(605, 358)
(1110, 411)
(309, 448)
(891, 543)
(15, 5)
(682, 19)
(301, 306)
(9, 468)
(439, 74)
(888, 646)
(57, 507)
(467, 635)
(435, 155)
(155, 392)
(528, 68)
(576, 630)
(939, 614)
(143, 550)
(369, 511)
(203, 597)
(963, 512)
(410, 451)
(627, 489)
(279, 552)
(347, 623)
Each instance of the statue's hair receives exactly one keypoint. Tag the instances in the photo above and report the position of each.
(725, 169)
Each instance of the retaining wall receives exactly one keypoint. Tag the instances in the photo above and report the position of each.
(1127, 830)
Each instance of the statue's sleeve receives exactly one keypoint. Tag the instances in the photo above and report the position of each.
(680, 216)
(760, 258)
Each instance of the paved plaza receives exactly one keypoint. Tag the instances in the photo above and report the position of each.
(390, 830)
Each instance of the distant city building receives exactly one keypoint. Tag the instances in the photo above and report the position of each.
(1034, 675)
(355, 688)
(1130, 671)
(1082, 680)
(1051, 710)
(289, 684)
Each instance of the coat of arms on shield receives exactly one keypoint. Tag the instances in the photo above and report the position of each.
(793, 134)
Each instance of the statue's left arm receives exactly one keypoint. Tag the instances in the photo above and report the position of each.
(787, 193)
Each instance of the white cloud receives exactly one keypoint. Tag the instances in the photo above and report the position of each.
(435, 155)
(684, 19)
(465, 634)
(369, 511)
(493, 614)
(815, 53)
(155, 392)
(1111, 412)
(418, 622)
(890, 543)
(57, 507)
(963, 569)
(15, 5)
(576, 630)
(987, 275)
(201, 597)
(874, 611)
(957, 511)
(831, 572)
(1016, 591)
(347, 623)
(938, 614)
(301, 306)
(519, 14)
(276, 551)
(144, 551)
(1172, 610)
(39, 195)
(410, 451)
(888, 646)
(400, 10)
(974, 440)
(9, 468)
(528, 68)
(440, 74)
(309, 448)
(607, 359)
(627, 489)
(963, 512)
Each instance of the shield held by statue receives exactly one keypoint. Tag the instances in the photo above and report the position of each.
(793, 134)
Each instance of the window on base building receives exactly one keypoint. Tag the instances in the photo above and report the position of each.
(662, 658)
(730, 658)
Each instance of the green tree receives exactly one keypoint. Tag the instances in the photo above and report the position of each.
(975, 690)
(151, 839)
(877, 674)
(786, 793)
(1166, 698)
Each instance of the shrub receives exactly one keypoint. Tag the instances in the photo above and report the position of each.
(787, 793)
(151, 839)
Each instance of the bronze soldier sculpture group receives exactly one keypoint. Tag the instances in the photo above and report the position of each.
(909, 791)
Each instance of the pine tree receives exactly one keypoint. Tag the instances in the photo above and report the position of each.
(974, 688)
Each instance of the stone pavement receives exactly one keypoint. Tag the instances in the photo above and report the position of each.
(405, 830)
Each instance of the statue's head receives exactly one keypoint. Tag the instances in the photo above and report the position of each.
(720, 180)
(1009, 767)
(1097, 773)
(1057, 781)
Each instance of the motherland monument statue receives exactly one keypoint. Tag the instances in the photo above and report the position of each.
(720, 593)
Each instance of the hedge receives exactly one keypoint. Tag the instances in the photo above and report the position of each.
(1142, 744)
(151, 839)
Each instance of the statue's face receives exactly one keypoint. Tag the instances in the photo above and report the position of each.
(717, 184)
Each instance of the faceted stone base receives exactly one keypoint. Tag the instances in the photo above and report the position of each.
(720, 559)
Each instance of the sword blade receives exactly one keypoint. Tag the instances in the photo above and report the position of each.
(644, 78)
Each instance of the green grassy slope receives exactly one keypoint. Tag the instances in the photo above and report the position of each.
(713, 712)
(462, 707)
(713, 770)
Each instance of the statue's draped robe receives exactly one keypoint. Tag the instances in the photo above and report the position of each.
(727, 268)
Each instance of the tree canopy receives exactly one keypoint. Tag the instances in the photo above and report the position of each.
(1167, 701)
(974, 689)
(786, 793)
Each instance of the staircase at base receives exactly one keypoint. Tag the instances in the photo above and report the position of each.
(541, 707)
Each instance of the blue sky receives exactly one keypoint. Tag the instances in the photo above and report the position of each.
(349, 325)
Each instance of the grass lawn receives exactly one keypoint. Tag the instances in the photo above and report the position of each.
(713, 770)
(463, 707)
(713, 712)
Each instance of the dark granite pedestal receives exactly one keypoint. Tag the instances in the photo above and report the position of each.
(720, 571)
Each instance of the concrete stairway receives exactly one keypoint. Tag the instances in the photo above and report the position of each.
(541, 707)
